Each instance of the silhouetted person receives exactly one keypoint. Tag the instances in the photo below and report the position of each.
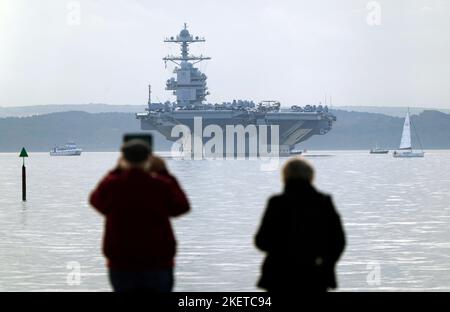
(139, 242)
(302, 234)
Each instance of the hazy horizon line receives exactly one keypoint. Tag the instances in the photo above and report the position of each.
(145, 104)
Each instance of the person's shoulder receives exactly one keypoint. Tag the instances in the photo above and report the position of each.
(325, 196)
(321, 194)
(166, 178)
(327, 202)
(275, 199)
(113, 176)
(160, 181)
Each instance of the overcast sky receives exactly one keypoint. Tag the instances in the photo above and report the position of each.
(292, 51)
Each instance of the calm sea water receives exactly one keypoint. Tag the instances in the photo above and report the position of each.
(396, 214)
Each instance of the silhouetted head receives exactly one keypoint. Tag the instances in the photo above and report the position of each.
(136, 153)
(298, 169)
(158, 165)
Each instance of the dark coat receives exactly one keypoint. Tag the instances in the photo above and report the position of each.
(302, 234)
(137, 208)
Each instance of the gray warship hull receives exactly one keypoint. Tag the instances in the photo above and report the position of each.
(294, 127)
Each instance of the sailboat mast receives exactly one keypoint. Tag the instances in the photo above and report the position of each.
(417, 135)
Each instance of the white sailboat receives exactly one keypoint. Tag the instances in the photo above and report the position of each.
(405, 149)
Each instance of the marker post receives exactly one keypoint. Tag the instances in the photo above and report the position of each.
(23, 154)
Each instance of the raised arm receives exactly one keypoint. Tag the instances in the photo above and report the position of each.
(179, 203)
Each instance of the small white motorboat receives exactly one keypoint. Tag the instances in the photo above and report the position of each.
(70, 149)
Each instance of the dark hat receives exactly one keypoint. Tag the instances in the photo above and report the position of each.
(136, 151)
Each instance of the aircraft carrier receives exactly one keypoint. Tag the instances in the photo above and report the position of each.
(296, 124)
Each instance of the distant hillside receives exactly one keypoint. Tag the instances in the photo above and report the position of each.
(26, 111)
(103, 131)
(92, 132)
(395, 111)
(355, 130)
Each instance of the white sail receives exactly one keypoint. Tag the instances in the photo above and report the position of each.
(406, 135)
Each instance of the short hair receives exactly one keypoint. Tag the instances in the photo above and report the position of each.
(298, 168)
(136, 151)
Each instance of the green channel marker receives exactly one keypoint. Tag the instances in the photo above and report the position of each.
(23, 154)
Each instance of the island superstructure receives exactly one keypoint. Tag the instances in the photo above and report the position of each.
(296, 124)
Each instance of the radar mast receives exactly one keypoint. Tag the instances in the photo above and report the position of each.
(190, 83)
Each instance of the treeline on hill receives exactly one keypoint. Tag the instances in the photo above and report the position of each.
(92, 132)
(103, 131)
(357, 130)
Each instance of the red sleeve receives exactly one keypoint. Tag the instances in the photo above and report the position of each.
(178, 202)
(102, 197)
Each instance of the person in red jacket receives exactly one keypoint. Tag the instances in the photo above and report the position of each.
(139, 242)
